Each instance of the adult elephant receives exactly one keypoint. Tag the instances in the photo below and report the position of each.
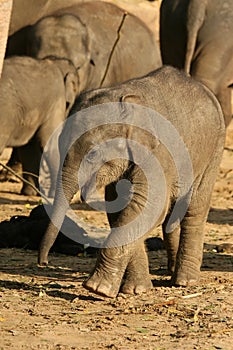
(35, 97)
(35, 10)
(106, 44)
(39, 9)
(144, 150)
(197, 37)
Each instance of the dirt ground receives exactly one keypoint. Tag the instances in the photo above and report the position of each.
(49, 309)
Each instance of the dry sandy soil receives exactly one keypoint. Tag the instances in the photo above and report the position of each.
(49, 309)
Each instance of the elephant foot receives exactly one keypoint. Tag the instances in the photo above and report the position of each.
(171, 267)
(104, 284)
(185, 278)
(109, 271)
(27, 190)
(137, 284)
(137, 277)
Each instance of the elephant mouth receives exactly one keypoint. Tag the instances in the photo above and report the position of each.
(88, 192)
(94, 199)
(84, 194)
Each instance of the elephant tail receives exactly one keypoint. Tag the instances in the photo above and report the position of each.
(195, 19)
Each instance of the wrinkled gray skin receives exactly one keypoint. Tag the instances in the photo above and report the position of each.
(35, 97)
(197, 37)
(200, 122)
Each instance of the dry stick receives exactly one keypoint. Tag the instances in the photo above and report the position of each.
(113, 48)
(228, 149)
(194, 295)
(28, 173)
(25, 181)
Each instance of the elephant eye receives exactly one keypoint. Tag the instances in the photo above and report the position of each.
(91, 156)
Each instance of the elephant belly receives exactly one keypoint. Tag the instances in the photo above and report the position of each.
(23, 134)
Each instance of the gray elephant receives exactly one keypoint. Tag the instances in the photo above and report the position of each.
(106, 44)
(35, 11)
(35, 97)
(165, 120)
(39, 9)
(197, 37)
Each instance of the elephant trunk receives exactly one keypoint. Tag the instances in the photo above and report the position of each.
(67, 186)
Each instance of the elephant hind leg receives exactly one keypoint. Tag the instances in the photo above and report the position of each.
(171, 241)
(190, 251)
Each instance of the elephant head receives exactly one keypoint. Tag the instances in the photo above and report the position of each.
(63, 36)
(92, 161)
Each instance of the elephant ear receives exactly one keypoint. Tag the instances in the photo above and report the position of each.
(71, 89)
(133, 132)
(131, 98)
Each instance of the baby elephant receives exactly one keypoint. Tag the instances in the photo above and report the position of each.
(155, 144)
(35, 97)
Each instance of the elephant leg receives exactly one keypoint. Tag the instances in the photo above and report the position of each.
(13, 163)
(216, 75)
(51, 157)
(30, 156)
(171, 241)
(137, 277)
(190, 251)
(52, 160)
(113, 263)
(189, 256)
(109, 270)
(224, 97)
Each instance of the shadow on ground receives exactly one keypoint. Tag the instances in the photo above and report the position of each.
(221, 216)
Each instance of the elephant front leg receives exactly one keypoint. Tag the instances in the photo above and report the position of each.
(137, 277)
(109, 270)
(111, 262)
(111, 266)
(129, 260)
